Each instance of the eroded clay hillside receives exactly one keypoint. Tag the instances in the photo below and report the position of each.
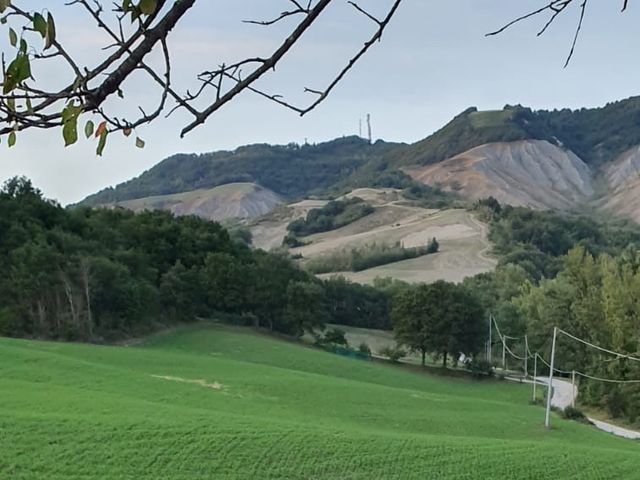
(530, 173)
(235, 200)
(538, 174)
(622, 180)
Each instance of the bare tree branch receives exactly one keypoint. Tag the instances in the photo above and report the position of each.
(133, 35)
(556, 7)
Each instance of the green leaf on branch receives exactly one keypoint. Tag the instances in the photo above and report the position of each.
(88, 129)
(50, 37)
(140, 143)
(148, 7)
(40, 25)
(70, 116)
(4, 4)
(17, 72)
(102, 142)
(13, 37)
(12, 139)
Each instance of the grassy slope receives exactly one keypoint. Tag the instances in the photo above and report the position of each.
(284, 411)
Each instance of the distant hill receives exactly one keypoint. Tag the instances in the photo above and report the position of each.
(565, 155)
(596, 135)
(234, 200)
(529, 173)
(292, 171)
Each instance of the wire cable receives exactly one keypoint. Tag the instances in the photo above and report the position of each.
(608, 380)
(617, 354)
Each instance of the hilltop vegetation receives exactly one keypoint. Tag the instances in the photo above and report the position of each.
(217, 403)
(292, 171)
(536, 239)
(596, 135)
(356, 259)
(335, 214)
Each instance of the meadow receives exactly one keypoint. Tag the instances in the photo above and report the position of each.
(211, 401)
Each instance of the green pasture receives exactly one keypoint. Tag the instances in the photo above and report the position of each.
(217, 402)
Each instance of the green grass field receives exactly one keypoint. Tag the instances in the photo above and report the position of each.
(217, 402)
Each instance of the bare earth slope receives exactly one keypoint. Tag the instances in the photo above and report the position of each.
(463, 243)
(532, 173)
(622, 178)
(234, 200)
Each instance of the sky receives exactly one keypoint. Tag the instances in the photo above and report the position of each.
(434, 62)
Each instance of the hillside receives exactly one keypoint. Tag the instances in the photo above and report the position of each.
(596, 135)
(463, 239)
(464, 248)
(530, 173)
(292, 171)
(542, 159)
(234, 200)
(210, 402)
(622, 180)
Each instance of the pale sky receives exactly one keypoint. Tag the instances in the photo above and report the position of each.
(433, 63)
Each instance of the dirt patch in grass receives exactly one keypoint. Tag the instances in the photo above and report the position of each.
(202, 383)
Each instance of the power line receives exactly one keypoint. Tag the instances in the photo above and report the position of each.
(617, 354)
(608, 380)
(564, 372)
(553, 369)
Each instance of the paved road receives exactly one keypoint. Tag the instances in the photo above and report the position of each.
(563, 395)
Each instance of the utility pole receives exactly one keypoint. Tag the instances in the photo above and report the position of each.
(573, 388)
(504, 353)
(490, 339)
(547, 415)
(369, 126)
(526, 357)
(360, 127)
(535, 372)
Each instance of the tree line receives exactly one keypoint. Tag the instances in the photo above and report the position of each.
(101, 274)
(577, 273)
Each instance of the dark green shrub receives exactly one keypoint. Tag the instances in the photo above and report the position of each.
(335, 336)
(364, 348)
(572, 413)
(480, 368)
(433, 246)
(333, 215)
(367, 256)
(291, 241)
(393, 353)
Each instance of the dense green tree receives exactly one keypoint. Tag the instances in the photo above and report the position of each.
(442, 318)
(594, 298)
(181, 292)
(84, 274)
(357, 305)
(306, 307)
